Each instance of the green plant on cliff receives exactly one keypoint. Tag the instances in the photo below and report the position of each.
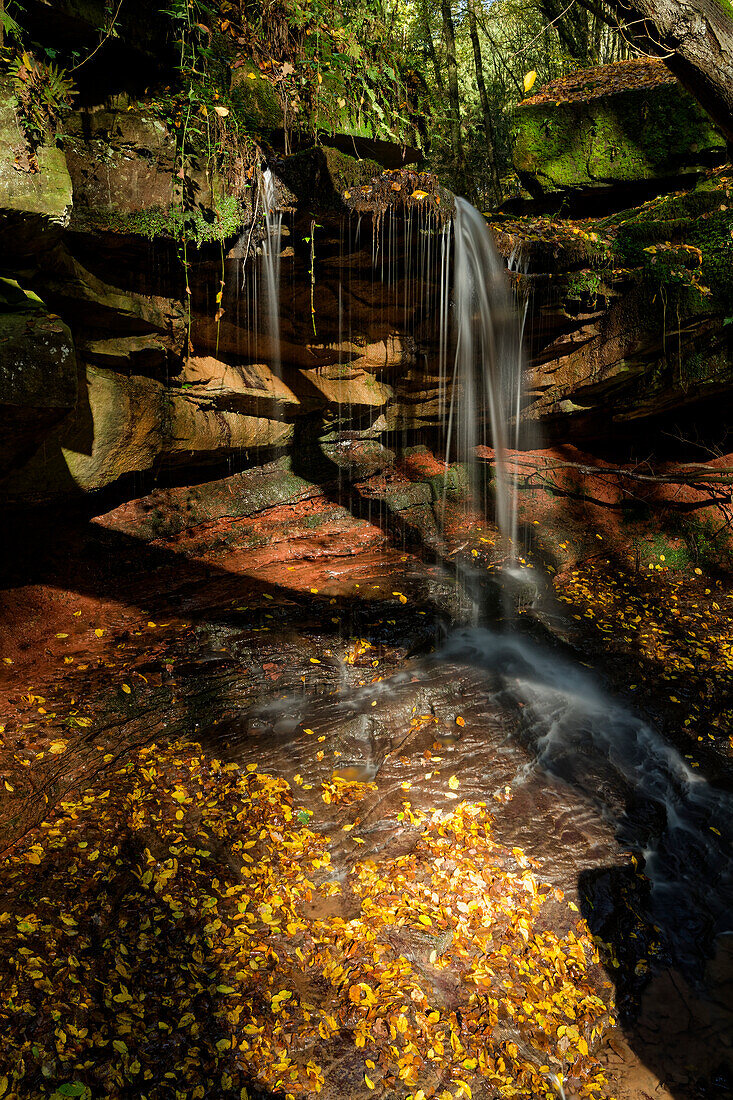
(684, 241)
(43, 93)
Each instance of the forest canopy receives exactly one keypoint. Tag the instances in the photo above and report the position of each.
(440, 76)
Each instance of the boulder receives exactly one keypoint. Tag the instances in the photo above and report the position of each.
(116, 429)
(319, 176)
(37, 373)
(616, 126)
(132, 424)
(257, 107)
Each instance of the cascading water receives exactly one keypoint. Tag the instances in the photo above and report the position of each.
(270, 257)
(581, 739)
(580, 735)
(487, 371)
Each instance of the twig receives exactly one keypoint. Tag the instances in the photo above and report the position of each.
(102, 40)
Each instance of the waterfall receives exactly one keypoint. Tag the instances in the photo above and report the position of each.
(270, 258)
(487, 370)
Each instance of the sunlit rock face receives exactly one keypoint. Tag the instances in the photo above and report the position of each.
(142, 369)
(163, 372)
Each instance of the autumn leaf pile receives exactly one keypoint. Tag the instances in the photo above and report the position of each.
(405, 188)
(184, 933)
(680, 631)
(620, 76)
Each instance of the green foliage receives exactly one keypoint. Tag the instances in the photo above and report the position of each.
(177, 223)
(705, 542)
(335, 66)
(43, 92)
(684, 241)
(10, 28)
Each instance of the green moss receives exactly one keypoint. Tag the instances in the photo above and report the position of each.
(256, 107)
(623, 138)
(199, 225)
(685, 241)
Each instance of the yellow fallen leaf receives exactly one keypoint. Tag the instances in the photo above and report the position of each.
(460, 721)
(529, 80)
(57, 747)
(62, 635)
(99, 632)
(453, 783)
(127, 689)
(424, 919)
(368, 1082)
(419, 194)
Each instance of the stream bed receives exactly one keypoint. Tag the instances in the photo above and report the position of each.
(305, 832)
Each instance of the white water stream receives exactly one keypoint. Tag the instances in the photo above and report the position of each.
(577, 732)
(487, 372)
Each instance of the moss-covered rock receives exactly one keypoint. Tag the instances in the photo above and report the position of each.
(634, 310)
(609, 132)
(683, 242)
(39, 185)
(256, 106)
(123, 157)
(318, 177)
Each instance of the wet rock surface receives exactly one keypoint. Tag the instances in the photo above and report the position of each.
(286, 633)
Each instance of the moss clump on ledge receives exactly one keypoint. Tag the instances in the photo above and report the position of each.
(199, 225)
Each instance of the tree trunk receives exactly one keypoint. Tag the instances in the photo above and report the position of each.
(695, 38)
(454, 101)
(430, 45)
(485, 106)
